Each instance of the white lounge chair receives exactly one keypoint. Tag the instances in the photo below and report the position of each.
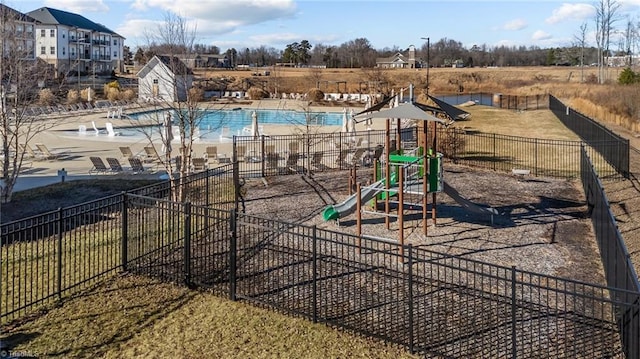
(110, 130)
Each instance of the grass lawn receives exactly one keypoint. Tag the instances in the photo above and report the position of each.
(130, 316)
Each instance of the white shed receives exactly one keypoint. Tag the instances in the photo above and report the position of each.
(164, 78)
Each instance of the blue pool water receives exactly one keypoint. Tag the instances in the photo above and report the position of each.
(214, 122)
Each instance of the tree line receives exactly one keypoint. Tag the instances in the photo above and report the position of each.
(360, 53)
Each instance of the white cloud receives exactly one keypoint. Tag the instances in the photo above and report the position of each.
(515, 25)
(78, 6)
(540, 35)
(571, 12)
(240, 12)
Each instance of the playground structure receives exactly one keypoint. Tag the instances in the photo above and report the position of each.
(405, 176)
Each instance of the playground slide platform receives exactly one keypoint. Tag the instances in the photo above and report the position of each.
(348, 206)
(468, 205)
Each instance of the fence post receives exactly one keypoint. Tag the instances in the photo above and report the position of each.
(535, 153)
(514, 351)
(187, 243)
(233, 246)
(314, 305)
(410, 296)
(59, 255)
(124, 231)
(494, 152)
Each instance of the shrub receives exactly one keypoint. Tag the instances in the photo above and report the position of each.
(315, 94)
(84, 94)
(112, 94)
(73, 96)
(627, 77)
(451, 139)
(128, 95)
(256, 93)
(113, 84)
(196, 94)
(46, 97)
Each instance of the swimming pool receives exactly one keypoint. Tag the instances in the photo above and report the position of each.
(223, 124)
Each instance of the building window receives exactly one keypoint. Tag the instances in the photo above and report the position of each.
(52, 33)
(63, 35)
(155, 81)
(115, 54)
(43, 50)
(63, 51)
(115, 41)
(43, 33)
(53, 50)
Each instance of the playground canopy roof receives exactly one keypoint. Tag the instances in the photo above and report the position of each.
(403, 110)
(453, 112)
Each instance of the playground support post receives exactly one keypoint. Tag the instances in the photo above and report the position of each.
(425, 178)
(387, 174)
(434, 197)
(359, 216)
(400, 211)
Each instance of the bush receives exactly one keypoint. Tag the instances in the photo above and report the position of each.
(196, 94)
(128, 95)
(84, 94)
(112, 94)
(113, 84)
(627, 77)
(315, 94)
(451, 139)
(256, 93)
(46, 97)
(73, 96)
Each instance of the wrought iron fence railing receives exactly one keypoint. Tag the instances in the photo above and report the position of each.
(430, 302)
(611, 146)
(45, 257)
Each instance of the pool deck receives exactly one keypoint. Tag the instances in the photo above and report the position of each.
(76, 149)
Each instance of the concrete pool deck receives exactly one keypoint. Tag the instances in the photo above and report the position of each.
(64, 139)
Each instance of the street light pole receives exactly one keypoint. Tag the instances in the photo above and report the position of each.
(428, 63)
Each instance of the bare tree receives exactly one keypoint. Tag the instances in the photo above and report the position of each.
(179, 108)
(581, 42)
(21, 72)
(606, 17)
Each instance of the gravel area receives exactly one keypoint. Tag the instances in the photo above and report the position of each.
(542, 227)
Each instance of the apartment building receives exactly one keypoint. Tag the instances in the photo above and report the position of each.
(75, 45)
(18, 35)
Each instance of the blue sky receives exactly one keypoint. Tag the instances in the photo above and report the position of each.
(385, 23)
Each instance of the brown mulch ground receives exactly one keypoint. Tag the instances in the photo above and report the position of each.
(543, 226)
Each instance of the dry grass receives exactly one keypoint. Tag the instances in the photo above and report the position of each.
(134, 317)
(531, 124)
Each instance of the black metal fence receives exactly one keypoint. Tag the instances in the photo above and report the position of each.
(509, 102)
(481, 98)
(619, 269)
(45, 257)
(521, 103)
(278, 155)
(612, 147)
(430, 302)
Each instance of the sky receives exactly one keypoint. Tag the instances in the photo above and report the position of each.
(385, 23)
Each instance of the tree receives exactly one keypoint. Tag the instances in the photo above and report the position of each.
(176, 37)
(605, 19)
(20, 71)
(127, 56)
(581, 42)
(627, 77)
(139, 57)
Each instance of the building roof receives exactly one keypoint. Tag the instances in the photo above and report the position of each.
(15, 14)
(173, 63)
(397, 57)
(49, 16)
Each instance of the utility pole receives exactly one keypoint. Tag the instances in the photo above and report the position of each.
(428, 63)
